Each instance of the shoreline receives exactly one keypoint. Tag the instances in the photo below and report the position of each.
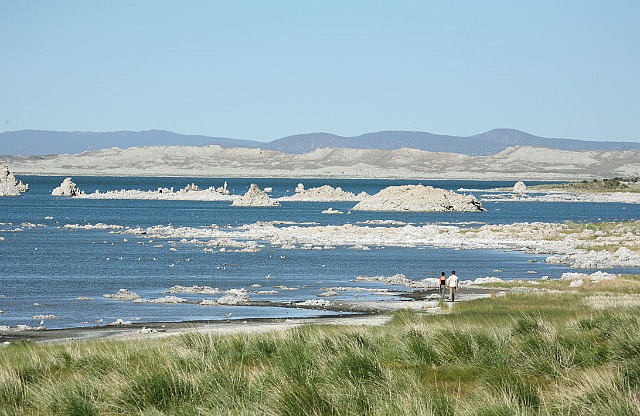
(350, 313)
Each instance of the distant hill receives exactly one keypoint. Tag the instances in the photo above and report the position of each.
(40, 142)
(484, 144)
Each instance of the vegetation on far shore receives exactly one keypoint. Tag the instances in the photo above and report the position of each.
(558, 352)
(595, 185)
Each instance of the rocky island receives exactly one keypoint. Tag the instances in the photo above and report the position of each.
(325, 193)
(67, 188)
(418, 198)
(189, 193)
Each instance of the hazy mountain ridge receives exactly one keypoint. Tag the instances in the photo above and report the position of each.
(43, 142)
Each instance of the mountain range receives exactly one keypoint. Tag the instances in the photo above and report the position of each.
(43, 142)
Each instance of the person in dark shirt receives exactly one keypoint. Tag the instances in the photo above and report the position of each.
(443, 284)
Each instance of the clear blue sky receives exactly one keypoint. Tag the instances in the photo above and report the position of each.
(266, 69)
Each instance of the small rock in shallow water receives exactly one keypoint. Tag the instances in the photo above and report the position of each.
(44, 317)
(119, 322)
(123, 294)
(327, 294)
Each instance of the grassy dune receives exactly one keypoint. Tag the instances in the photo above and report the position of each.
(558, 353)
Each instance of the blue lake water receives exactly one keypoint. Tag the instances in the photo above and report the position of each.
(43, 269)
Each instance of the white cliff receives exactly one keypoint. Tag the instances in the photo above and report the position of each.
(67, 188)
(255, 198)
(9, 185)
(418, 198)
(514, 163)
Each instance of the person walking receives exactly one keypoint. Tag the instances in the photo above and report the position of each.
(443, 284)
(452, 285)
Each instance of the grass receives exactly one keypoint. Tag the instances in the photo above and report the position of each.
(524, 354)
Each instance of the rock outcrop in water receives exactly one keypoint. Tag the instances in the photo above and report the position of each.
(123, 294)
(520, 188)
(255, 198)
(67, 188)
(189, 193)
(323, 193)
(234, 297)
(9, 185)
(419, 198)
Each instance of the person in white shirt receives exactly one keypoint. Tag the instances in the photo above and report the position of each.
(452, 285)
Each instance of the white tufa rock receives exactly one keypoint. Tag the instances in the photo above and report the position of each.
(67, 188)
(419, 198)
(98, 226)
(623, 257)
(206, 290)
(520, 187)
(165, 299)
(327, 294)
(576, 283)
(123, 294)
(427, 282)
(189, 193)
(45, 317)
(254, 197)
(323, 193)
(9, 185)
(119, 322)
(234, 297)
(315, 302)
(396, 279)
(489, 279)
(597, 276)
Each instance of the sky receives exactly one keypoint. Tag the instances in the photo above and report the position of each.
(262, 70)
